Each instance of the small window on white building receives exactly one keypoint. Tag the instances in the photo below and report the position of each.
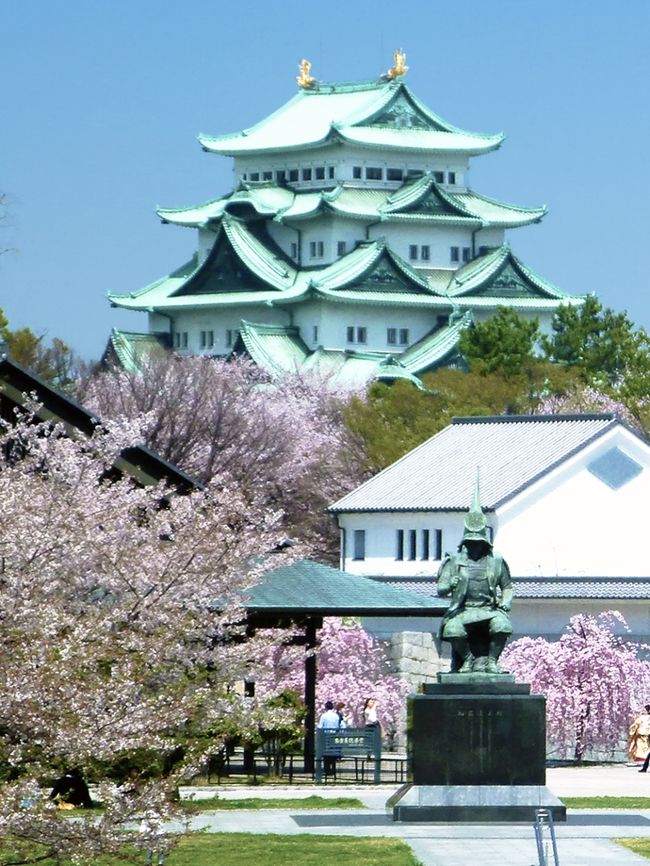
(320, 172)
(330, 172)
(437, 543)
(210, 340)
(482, 250)
(230, 337)
(293, 175)
(391, 336)
(359, 552)
(349, 334)
(425, 545)
(316, 249)
(203, 340)
(306, 174)
(315, 334)
(454, 254)
(403, 336)
(374, 173)
(399, 545)
(413, 252)
(177, 340)
(183, 339)
(255, 175)
(280, 176)
(467, 254)
(341, 248)
(439, 176)
(362, 335)
(451, 177)
(394, 174)
(294, 250)
(356, 172)
(267, 175)
(425, 253)
(413, 544)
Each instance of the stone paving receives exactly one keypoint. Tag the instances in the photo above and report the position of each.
(585, 840)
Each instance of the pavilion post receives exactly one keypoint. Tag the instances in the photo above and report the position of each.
(311, 668)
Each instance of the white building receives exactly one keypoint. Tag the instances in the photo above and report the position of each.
(566, 497)
(351, 243)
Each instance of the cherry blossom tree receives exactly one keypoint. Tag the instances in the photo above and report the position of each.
(352, 666)
(586, 398)
(594, 682)
(285, 441)
(120, 615)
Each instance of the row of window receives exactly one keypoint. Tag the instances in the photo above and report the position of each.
(323, 172)
(417, 252)
(180, 339)
(394, 336)
(410, 544)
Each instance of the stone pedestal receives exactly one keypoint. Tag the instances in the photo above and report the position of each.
(477, 752)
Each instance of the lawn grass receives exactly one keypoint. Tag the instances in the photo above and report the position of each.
(312, 802)
(639, 846)
(251, 849)
(606, 802)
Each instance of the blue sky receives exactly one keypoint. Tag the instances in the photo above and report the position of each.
(102, 103)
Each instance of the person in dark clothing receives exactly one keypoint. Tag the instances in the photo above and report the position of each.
(71, 788)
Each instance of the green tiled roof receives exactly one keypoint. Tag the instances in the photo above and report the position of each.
(274, 348)
(374, 266)
(371, 114)
(500, 277)
(420, 200)
(313, 588)
(437, 348)
(131, 348)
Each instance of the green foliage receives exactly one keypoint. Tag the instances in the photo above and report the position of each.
(54, 363)
(504, 343)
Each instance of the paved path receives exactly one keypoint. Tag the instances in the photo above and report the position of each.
(585, 840)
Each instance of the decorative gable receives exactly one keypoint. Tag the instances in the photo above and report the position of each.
(385, 276)
(402, 114)
(508, 282)
(222, 271)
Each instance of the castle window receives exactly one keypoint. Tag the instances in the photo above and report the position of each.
(391, 336)
(413, 252)
(413, 544)
(330, 172)
(244, 176)
(374, 173)
(424, 552)
(316, 249)
(177, 340)
(340, 248)
(356, 172)
(399, 545)
(280, 176)
(183, 339)
(320, 172)
(255, 175)
(230, 337)
(403, 336)
(439, 176)
(454, 254)
(349, 334)
(482, 251)
(394, 174)
(267, 175)
(306, 174)
(294, 250)
(425, 253)
(359, 544)
(467, 254)
(451, 177)
(293, 175)
(362, 335)
(315, 334)
(437, 535)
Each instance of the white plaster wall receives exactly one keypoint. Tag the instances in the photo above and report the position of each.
(381, 541)
(220, 320)
(571, 523)
(344, 156)
(376, 319)
(549, 618)
(439, 238)
(284, 236)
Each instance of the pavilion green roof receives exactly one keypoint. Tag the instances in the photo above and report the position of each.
(312, 588)
(419, 200)
(381, 114)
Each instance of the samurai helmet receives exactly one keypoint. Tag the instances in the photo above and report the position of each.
(476, 527)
